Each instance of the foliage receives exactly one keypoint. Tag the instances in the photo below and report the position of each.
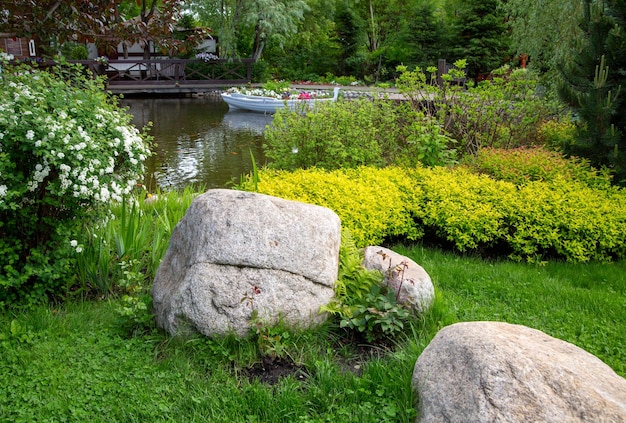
(379, 316)
(354, 282)
(66, 149)
(122, 253)
(363, 302)
(55, 22)
(522, 165)
(244, 28)
(107, 23)
(539, 31)
(592, 86)
(74, 51)
(272, 340)
(557, 134)
(330, 136)
(313, 50)
(355, 133)
(504, 111)
(557, 218)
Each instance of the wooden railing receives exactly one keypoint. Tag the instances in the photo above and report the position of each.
(172, 71)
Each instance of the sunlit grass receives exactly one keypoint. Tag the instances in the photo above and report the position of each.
(78, 362)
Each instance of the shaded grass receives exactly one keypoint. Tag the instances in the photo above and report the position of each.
(77, 362)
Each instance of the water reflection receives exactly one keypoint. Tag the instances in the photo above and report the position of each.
(199, 141)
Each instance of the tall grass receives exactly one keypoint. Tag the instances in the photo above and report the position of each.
(77, 362)
(132, 240)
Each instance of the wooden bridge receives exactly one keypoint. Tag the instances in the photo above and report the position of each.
(170, 76)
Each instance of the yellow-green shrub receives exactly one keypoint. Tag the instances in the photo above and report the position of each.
(521, 165)
(557, 133)
(567, 219)
(558, 218)
(464, 208)
(374, 204)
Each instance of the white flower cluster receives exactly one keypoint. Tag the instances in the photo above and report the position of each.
(5, 57)
(207, 57)
(99, 159)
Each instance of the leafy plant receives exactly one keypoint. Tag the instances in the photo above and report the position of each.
(272, 340)
(522, 165)
(125, 249)
(378, 316)
(66, 149)
(504, 111)
(135, 307)
(362, 301)
(356, 133)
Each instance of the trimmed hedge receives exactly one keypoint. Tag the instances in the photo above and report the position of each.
(559, 218)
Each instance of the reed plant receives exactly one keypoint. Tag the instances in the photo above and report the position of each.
(132, 239)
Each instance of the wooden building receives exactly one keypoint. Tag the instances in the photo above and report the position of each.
(20, 48)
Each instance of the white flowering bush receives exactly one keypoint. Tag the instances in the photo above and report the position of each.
(66, 148)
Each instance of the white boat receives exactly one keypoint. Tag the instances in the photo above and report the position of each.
(271, 105)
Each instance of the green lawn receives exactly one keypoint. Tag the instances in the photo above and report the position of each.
(77, 362)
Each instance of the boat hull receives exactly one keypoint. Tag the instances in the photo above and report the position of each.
(272, 105)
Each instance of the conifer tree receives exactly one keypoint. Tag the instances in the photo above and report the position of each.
(594, 85)
(483, 36)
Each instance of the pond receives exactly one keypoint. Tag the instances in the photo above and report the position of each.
(198, 141)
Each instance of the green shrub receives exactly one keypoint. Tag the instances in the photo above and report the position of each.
(501, 112)
(66, 149)
(362, 301)
(522, 165)
(557, 134)
(331, 137)
(75, 51)
(357, 133)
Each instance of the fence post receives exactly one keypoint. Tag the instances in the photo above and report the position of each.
(441, 70)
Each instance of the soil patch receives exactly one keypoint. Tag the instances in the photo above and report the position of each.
(271, 370)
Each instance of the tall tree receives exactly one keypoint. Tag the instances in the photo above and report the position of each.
(351, 34)
(541, 31)
(313, 51)
(263, 21)
(427, 36)
(482, 35)
(54, 22)
(594, 80)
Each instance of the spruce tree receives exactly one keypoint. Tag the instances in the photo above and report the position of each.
(483, 38)
(594, 81)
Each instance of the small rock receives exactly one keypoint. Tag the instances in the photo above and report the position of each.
(403, 274)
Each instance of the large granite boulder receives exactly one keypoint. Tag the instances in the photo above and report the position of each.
(403, 274)
(499, 372)
(237, 252)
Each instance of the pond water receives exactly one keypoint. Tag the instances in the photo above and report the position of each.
(198, 141)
